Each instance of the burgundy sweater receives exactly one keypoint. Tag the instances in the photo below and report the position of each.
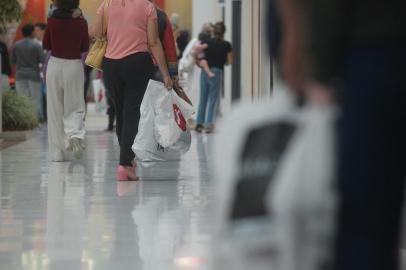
(66, 38)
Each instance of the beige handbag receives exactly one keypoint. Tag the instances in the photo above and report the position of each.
(96, 54)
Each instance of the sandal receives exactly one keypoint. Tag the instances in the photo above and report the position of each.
(126, 173)
(199, 128)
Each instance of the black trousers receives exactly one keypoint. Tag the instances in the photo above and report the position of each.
(88, 71)
(127, 80)
(111, 112)
(372, 158)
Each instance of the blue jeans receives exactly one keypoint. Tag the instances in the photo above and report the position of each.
(209, 95)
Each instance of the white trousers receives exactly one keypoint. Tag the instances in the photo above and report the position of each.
(32, 89)
(65, 103)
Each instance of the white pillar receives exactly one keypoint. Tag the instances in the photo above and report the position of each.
(205, 11)
(255, 64)
(226, 102)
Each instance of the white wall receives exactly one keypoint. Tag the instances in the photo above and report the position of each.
(255, 78)
(255, 64)
(247, 36)
(205, 11)
(264, 53)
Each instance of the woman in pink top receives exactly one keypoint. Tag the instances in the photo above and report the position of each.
(132, 34)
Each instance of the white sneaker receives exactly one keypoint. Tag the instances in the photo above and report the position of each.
(76, 146)
(58, 156)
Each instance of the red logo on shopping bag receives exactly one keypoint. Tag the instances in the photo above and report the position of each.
(180, 120)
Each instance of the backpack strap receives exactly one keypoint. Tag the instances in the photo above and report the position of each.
(161, 25)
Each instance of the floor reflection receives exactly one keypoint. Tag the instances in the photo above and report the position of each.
(74, 215)
(65, 217)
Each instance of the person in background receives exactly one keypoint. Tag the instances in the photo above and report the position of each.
(111, 112)
(67, 39)
(198, 54)
(189, 71)
(168, 45)
(358, 49)
(56, 12)
(218, 54)
(5, 67)
(87, 71)
(182, 41)
(27, 56)
(39, 32)
(128, 67)
(175, 18)
(5, 60)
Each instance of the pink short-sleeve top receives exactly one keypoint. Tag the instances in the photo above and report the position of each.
(127, 27)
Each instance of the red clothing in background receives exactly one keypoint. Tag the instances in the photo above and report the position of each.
(170, 49)
(168, 42)
(62, 36)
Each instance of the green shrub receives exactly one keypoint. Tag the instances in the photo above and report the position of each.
(10, 11)
(19, 112)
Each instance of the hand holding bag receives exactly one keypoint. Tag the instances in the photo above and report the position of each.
(162, 131)
(182, 94)
(96, 54)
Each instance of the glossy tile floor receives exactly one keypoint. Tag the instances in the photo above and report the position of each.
(74, 215)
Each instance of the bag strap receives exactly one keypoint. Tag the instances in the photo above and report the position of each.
(161, 25)
(105, 19)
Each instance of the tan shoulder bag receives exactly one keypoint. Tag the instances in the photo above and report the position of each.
(96, 54)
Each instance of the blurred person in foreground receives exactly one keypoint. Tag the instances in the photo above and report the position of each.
(128, 67)
(357, 48)
(27, 56)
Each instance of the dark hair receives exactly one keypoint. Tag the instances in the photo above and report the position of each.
(67, 5)
(219, 30)
(27, 30)
(204, 37)
(183, 40)
(42, 26)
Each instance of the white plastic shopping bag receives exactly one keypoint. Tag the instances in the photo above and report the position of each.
(302, 198)
(163, 134)
(171, 119)
(252, 139)
(99, 92)
(274, 168)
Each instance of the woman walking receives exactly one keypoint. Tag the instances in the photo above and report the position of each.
(132, 34)
(66, 39)
(218, 54)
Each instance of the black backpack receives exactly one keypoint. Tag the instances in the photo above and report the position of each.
(161, 25)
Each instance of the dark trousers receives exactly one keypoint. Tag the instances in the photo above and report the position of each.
(111, 112)
(88, 71)
(127, 79)
(157, 75)
(372, 158)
